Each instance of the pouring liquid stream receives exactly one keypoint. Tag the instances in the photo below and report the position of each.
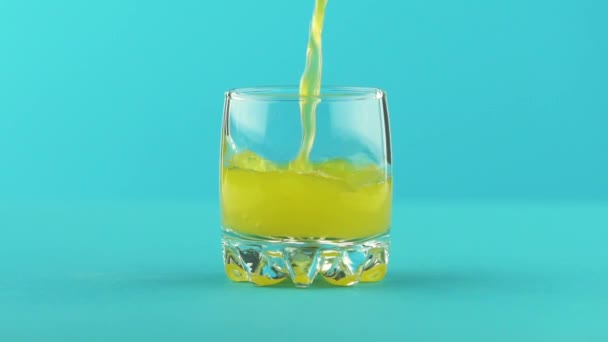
(310, 83)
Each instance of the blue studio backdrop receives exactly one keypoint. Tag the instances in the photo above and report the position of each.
(123, 99)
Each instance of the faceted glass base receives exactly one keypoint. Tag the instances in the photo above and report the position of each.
(271, 261)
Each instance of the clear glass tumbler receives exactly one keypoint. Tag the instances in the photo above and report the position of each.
(327, 213)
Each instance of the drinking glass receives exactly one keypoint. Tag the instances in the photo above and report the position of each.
(289, 212)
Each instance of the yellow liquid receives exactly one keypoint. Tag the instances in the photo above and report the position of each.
(333, 199)
(310, 83)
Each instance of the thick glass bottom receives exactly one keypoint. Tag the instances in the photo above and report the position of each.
(269, 261)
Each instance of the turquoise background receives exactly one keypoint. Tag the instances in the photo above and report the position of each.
(123, 99)
(109, 129)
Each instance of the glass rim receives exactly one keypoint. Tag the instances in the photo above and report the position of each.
(292, 93)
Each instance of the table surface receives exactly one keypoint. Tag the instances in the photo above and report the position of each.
(151, 271)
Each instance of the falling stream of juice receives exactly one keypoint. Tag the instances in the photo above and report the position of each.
(310, 83)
